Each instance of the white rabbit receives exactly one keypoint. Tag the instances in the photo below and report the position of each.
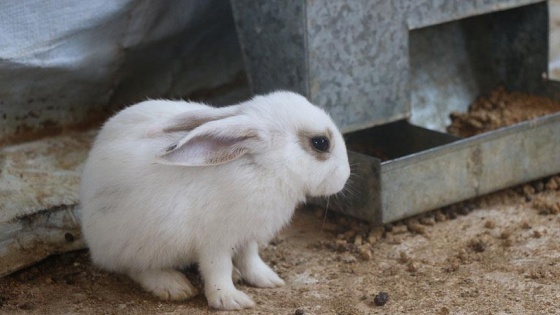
(172, 183)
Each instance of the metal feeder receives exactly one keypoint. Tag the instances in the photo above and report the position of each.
(390, 72)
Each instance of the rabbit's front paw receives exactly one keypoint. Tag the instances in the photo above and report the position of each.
(254, 270)
(231, 299)
(166, 284)
(261, 275)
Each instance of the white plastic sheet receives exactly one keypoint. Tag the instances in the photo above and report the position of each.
(63, 61)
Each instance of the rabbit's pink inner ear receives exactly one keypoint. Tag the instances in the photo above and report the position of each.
(206, 150)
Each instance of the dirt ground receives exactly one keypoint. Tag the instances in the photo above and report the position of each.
(498, 254)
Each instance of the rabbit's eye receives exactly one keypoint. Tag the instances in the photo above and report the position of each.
(320, 143)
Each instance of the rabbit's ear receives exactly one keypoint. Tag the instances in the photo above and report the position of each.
(213, 143)
(195, 118)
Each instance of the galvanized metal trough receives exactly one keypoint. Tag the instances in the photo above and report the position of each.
(390, 72)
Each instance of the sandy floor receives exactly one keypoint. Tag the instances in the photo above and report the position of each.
(495, 255)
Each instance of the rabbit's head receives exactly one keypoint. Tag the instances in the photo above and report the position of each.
(281, 133)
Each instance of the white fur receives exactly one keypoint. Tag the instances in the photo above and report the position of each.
(147, 216)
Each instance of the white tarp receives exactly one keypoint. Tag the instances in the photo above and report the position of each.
(66, 62)
(63, 61)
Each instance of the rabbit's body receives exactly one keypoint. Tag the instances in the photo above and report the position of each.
(169, 184)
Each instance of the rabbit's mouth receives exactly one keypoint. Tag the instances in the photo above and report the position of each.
(328, 187)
